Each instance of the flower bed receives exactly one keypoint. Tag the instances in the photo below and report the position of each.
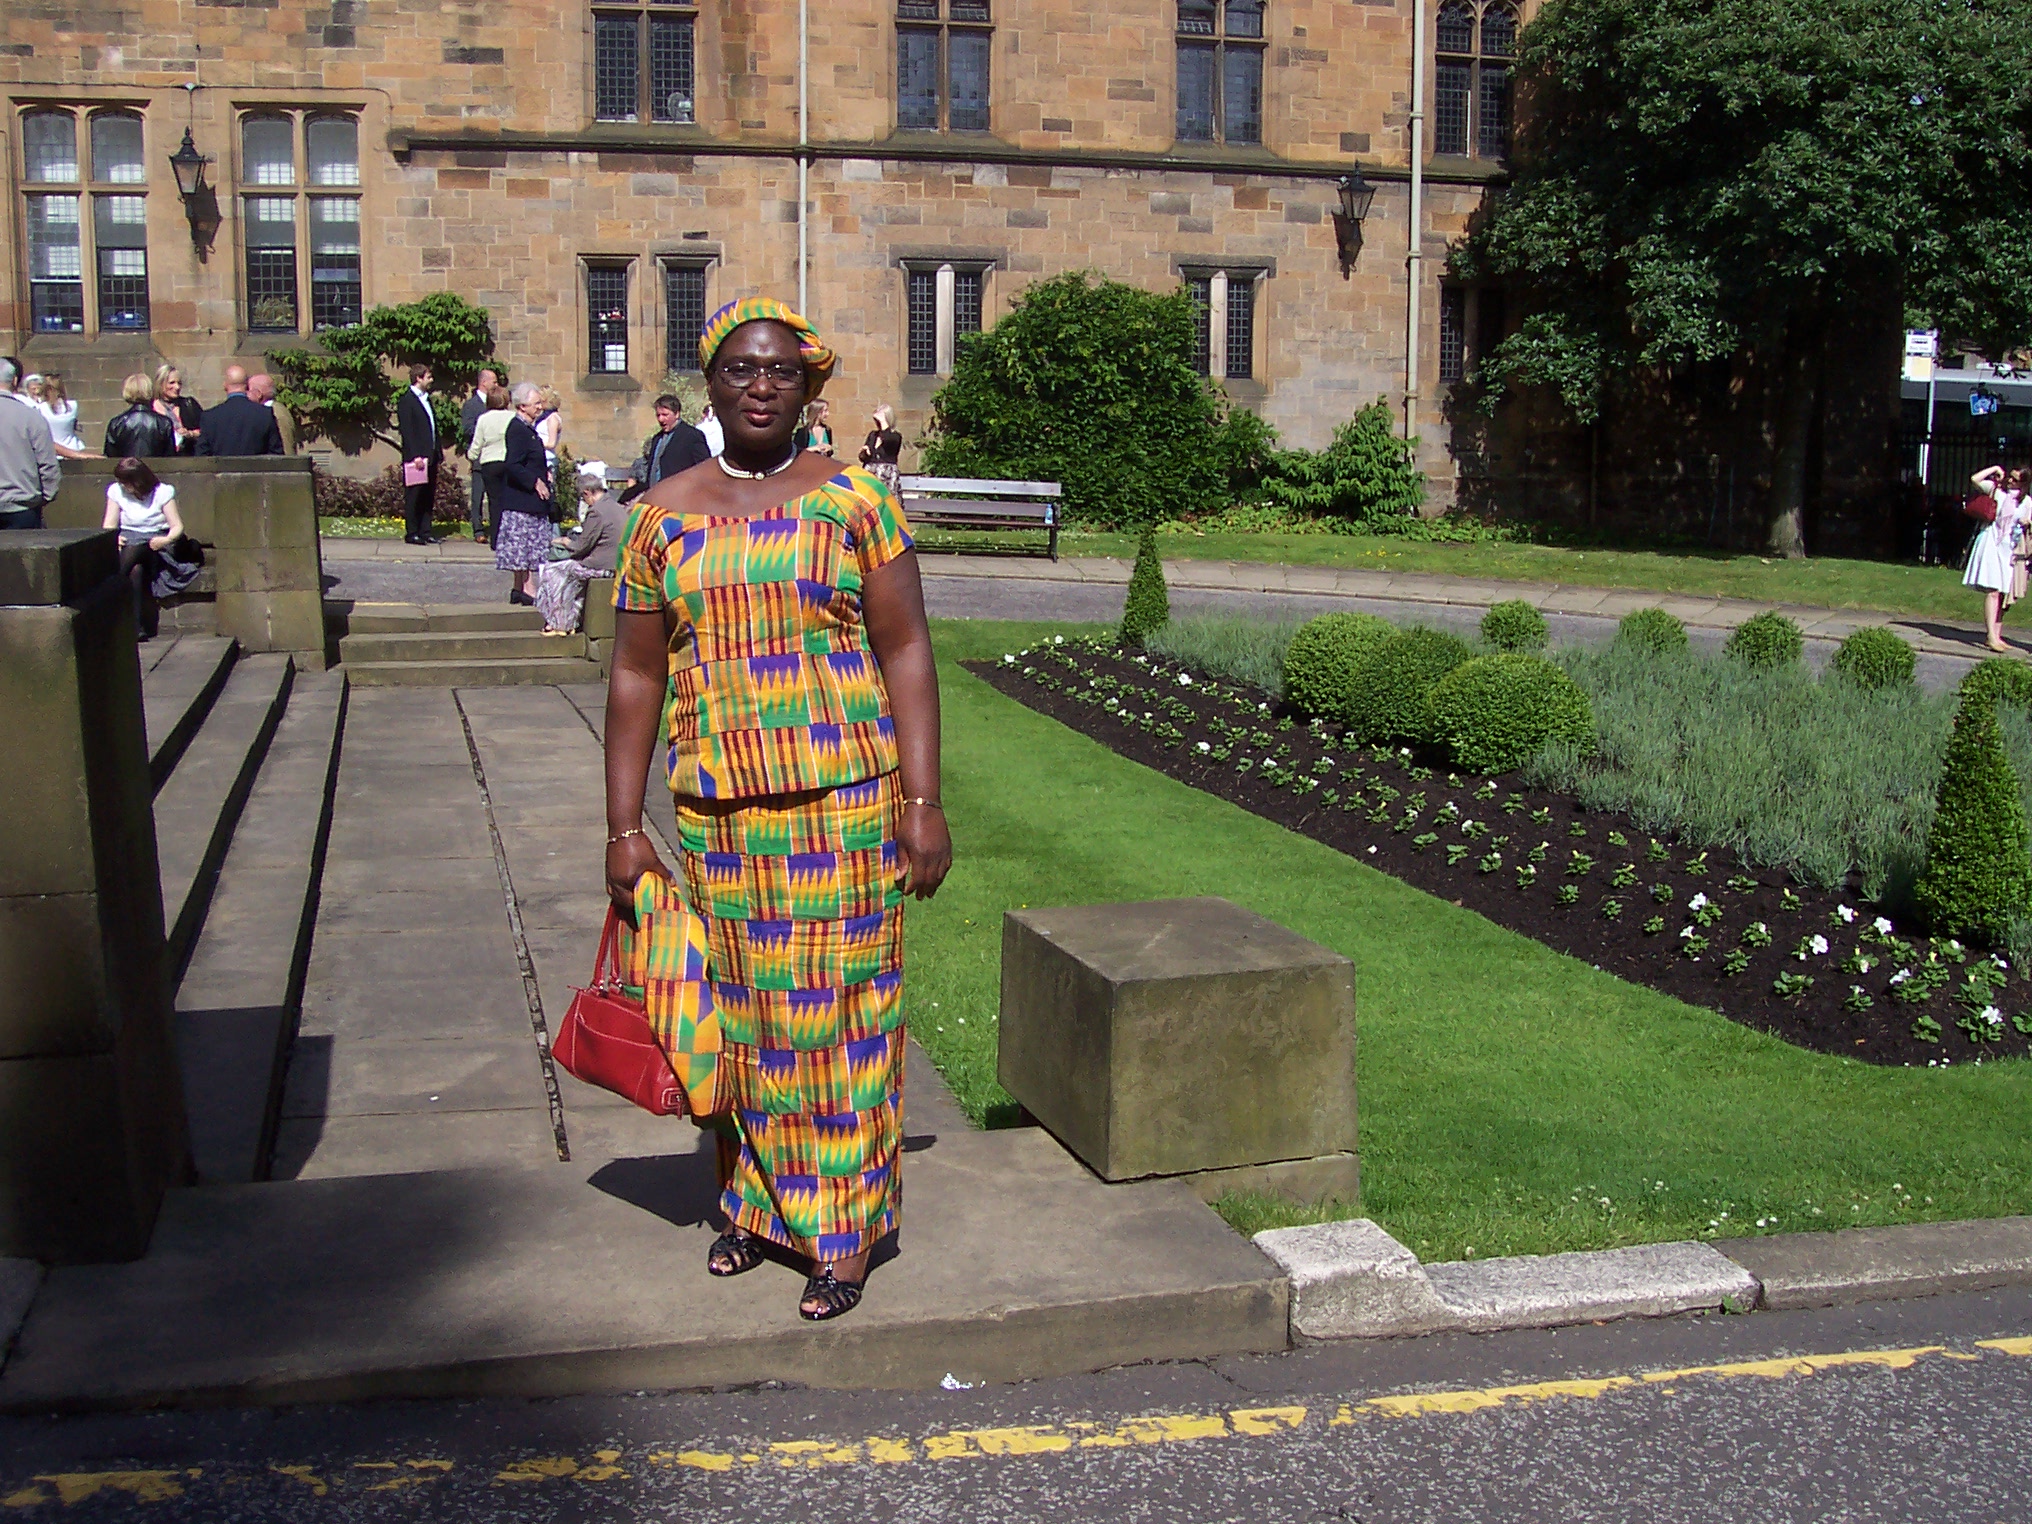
(1816, 967)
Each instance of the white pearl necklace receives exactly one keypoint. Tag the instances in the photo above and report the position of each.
(756, 476)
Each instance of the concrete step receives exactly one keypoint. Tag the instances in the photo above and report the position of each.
(591, 1277)
(197, 809)
(479, 673)
(237, 1007)
(479, 645)
(181, 675)
(436, 618)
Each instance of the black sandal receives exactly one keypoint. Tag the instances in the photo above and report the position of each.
(733, 1253)
(835, 1297)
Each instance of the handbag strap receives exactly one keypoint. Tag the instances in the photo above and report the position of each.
(606, 965)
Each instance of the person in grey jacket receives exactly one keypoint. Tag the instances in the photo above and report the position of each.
(29, 473)
(588, 555)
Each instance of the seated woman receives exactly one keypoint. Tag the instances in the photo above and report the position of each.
(143, 508)
(561, 585)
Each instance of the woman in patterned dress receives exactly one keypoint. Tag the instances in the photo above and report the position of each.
(770, 631)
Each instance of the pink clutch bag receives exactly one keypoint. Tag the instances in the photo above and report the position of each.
(415, 472)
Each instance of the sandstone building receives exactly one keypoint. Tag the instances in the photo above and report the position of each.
(600, 175)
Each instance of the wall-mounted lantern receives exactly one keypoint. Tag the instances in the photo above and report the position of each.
(1356, 194)
(200, 202)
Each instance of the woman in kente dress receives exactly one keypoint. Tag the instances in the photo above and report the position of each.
(770, 633)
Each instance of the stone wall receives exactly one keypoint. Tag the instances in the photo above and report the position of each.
(483, 173)
(258, 517)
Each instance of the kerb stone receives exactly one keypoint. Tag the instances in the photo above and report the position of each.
(1352, 1280)
(1545, 1291)
(1868, 1264)
(1174, 1037)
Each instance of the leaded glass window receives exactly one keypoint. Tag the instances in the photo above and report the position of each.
(944, 51)
(1220, 71)
(1471, 78)
(645, 64)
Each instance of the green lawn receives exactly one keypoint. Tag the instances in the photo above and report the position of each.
(385, 529)
(1822, 582)
(1506, 1091)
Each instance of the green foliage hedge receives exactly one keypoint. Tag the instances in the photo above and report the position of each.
(1515, 625)
(1978, 878)
(383, 496)
(1393, 688)
(1148, 607)
(1999, 679)
(1766, 640)
(1874, 658)
(1365, 478)
(1325, 658)
(1651, 630)
(1495, 712)
(1090, 383)
(345, 388)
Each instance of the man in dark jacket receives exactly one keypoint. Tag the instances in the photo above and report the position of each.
(239, 425)
(420, 452)
(677, 447)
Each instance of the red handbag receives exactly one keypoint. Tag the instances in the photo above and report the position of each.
(1981, 507)
(605, 1038)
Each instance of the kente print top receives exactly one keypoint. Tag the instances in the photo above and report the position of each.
(772, 686)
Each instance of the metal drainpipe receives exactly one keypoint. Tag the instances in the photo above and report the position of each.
(1415, 259)
(804, 150)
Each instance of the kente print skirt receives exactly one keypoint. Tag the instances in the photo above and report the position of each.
(804, 917)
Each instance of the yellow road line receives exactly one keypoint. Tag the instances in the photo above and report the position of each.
(1007, 1442)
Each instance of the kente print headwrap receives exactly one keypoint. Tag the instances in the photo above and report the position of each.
(818, 360)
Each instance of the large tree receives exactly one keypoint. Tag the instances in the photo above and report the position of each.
(1706, 179)
(345, 388)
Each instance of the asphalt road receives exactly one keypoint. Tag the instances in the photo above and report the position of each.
(1073, 602)
(1917, 1410)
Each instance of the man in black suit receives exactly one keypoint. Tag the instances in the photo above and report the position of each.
(418, 422)
(677, 447)
(239, 425)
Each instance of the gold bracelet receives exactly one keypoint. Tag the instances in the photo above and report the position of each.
(930, 804)
(638, 831)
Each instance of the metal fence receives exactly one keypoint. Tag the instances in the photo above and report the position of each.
(1934, 471)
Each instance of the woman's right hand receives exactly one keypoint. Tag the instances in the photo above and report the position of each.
(627, 860)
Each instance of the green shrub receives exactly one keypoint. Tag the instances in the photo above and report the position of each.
(1874, 658)
(1149, 602)
(1978, 877)
(382, 496)
(1243, 445)
(1766, 640)
(1324, 659)
(1393, 688)
(1651, 630)
(1515, 625)
(1495, 712)
(2001, 680)
(1226, 646)
(1090, 383)
(1365, 478)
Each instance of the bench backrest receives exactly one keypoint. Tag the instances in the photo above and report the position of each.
(960, 486)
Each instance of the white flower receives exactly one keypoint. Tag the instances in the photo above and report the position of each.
(1262, 708)
(1855, 989)
(1185, 679)
(1819, 946)
(1009, 660)
(1951, 942)
(1761, 926)
(1883, 926)
(1901, 976)
(1993, 1016)
(1685, 931)
(2002, 966)
(1204, 747)
(1058, 640)
(1698, 902)
(1372, 851)
(1848, 916)
(1404, 752)
(1326, 761)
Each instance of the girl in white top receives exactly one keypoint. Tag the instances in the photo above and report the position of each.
(1990, 562)
(62, 415)
(143, 508)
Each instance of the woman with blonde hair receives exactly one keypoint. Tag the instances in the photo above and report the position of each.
(884, 446)
(141, 431)
(550, 426)
(56, 407)
(186, 417)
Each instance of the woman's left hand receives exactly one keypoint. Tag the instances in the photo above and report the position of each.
(160, 542)
(926, 845)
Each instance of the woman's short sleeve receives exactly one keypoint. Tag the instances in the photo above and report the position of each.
(883, 533)
(645, 550)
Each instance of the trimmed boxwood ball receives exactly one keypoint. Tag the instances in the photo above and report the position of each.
(1515, 625)
(1766, 640)
(1324, 658)
(1393, 689)
(1652, 630)
(1999, 679)
(1978, 878)
(1495, 712)
(1148, 606)
(1874, 658)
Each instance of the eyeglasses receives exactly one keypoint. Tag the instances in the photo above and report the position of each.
(745, 373)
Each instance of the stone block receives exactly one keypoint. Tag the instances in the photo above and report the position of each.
(57, 1001)
(1548, 1290)
(600, 609)
(1352, 1280)
(1177, 1036)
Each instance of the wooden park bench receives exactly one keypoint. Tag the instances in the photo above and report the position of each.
(953, 502)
